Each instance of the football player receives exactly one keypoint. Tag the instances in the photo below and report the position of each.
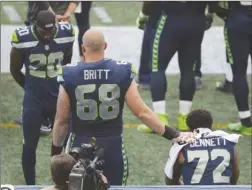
(94, 91)
(149, 25)
(180, 29)
(211, 160)
(82, 21)
(63, 11)
(238, 38)
(42, 48)
(226, 85)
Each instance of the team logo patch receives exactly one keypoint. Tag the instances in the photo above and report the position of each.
(46, 47)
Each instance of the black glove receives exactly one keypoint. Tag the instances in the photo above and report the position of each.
(55, 150)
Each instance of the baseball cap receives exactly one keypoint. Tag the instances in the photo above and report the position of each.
(46, 20)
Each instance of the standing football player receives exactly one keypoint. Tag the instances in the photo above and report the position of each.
(82, 20)
(94, 91)
(149, 25)
(63, 11)
(197, 69)
(180, 29)
(238, 38)
(226, 85)
(211, 160)
(42, 48)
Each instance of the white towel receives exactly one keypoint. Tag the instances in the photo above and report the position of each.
(176, 148)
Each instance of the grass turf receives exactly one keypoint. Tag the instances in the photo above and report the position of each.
(122, 13)
(147, 153)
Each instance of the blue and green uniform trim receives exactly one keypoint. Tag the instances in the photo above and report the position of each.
(155, 48)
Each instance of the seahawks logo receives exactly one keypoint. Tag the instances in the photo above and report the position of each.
(7, 187)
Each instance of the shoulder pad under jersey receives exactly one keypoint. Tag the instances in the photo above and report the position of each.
(66, 33)
(24, 38)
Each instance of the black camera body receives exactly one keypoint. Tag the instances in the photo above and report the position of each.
(85, 174)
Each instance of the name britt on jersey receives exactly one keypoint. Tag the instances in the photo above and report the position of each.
(92, 74)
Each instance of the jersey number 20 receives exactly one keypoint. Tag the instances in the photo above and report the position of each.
(88, 109)
(51, 63)
(203, 156)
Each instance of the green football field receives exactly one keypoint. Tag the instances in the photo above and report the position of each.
(147, 153)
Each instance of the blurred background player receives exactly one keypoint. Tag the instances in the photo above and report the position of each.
(94, 91)
(197, 69)
(180, 29)
(226, 85)
(149, 25)
(238, 34)
(42, 48)
(211, 160)
(82, 21)
(63, 11)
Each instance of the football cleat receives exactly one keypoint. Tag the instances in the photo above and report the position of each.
(45, 130)
(198, 83)
(181, 123)
(225, 86)
(238, 127)
(46, 127)
(143, 128)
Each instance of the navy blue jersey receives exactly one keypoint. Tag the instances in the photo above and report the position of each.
(43, 59)
(208, 161)
(97, 92)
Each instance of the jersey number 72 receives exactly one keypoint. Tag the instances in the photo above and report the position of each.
(203, 157)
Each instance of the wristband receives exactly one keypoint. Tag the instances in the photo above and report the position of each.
(55, 150)
(170, 133)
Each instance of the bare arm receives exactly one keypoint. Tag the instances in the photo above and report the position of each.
(236, 169)
(16, 64)
(70, 10)
(176, 172)
(145, 114)
(71, 7)
(60, 128)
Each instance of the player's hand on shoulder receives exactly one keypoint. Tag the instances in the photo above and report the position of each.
(185, 137)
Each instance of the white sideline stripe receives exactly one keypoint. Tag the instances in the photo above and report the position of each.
(102, 14)
(11, 12)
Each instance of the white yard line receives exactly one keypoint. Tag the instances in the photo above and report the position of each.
(102, 14)
(11, 12)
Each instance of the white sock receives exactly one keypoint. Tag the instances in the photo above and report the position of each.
(244, 114)
(159, 106)
(229, 74)
(185, 107)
